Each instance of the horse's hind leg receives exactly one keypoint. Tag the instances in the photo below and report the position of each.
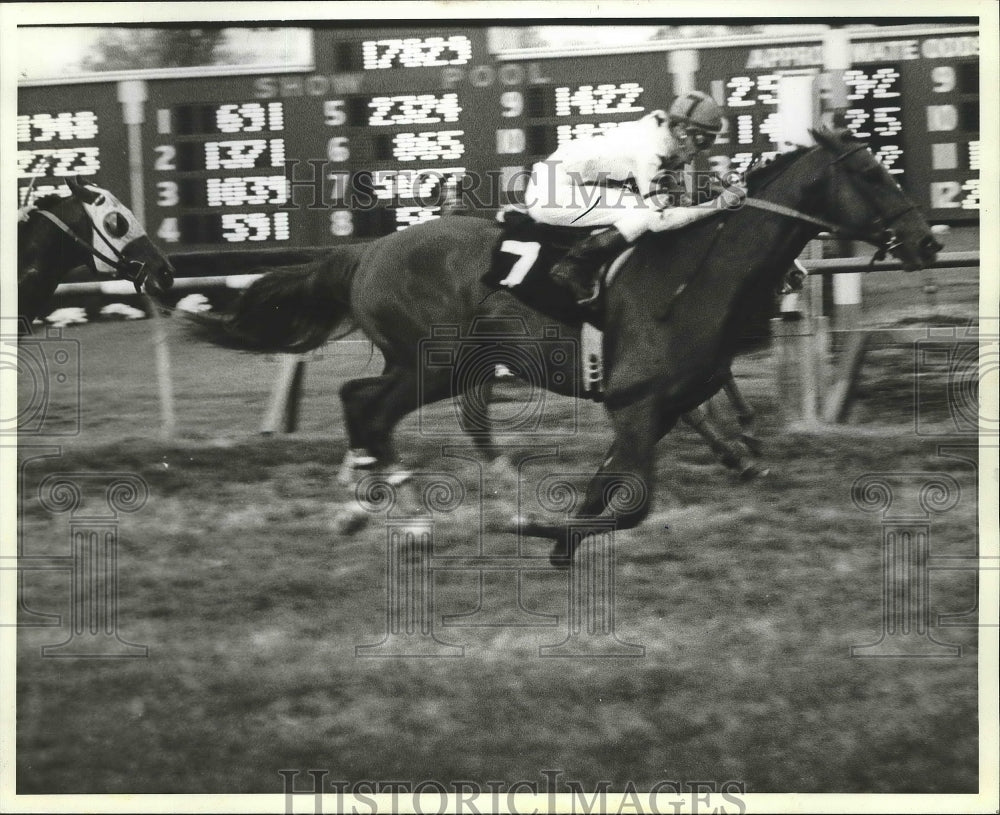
(745, 415)
(368, 443)
(731, 453)
(374, 406)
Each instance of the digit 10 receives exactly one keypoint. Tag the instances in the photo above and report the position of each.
(943, 77)
(513, 103)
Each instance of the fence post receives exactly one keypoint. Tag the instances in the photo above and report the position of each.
(786, 343)
(283, 410)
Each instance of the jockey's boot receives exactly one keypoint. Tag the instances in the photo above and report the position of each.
(578, 270)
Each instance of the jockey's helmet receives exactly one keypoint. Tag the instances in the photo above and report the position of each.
(699, 115)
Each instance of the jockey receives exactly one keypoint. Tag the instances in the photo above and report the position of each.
(585, 184)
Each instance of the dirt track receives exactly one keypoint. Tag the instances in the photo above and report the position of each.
(745, 598)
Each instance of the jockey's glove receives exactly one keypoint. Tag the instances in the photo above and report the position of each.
(732, 197)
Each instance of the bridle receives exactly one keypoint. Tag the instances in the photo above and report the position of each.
(881, 235)
(125, 269)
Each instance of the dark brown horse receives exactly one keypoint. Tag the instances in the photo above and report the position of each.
(89, 228)
(673, 317)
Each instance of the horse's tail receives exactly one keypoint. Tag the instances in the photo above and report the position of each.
(290, 309)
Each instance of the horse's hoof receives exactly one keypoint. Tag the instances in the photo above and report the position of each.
(398, 476)
(350, 520)
(532, 527)
(752, 471)
(394, 477)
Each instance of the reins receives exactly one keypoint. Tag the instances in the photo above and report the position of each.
(881, 237)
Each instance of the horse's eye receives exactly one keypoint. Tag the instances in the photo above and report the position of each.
(99, 201)
(115, 224)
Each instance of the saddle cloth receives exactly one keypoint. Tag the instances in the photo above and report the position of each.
(522, 259)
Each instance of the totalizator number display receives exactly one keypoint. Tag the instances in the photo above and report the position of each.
(67, 131)
(390, 128)
(913, 100)
(207, 158)
(398, 140)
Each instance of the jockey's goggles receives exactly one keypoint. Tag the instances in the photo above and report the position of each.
(700, 138)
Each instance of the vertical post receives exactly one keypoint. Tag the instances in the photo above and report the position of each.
(797, 113)
(836, 61)
(283, 410)
(785, 351)
(164, 376)
(847, 301)
(683, 67)
(796, 108)
(132, 95)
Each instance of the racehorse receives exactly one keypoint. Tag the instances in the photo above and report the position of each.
(672, 318)
(90, 228)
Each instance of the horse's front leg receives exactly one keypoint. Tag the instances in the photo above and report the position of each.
(622, 489)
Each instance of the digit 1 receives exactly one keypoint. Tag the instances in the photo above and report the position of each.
(163, 121)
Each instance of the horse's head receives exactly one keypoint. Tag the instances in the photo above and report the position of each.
(862, 197)
(116, 241)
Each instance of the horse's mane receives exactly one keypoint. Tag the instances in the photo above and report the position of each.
(761, 175)
(45, 202)
(48, 202)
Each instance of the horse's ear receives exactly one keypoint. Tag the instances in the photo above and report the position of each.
(80, 191)
(823, 136)
(832, 139)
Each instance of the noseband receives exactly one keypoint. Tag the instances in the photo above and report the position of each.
(881, 235)
(133, 270)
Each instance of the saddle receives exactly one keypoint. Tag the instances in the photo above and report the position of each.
(522, 259)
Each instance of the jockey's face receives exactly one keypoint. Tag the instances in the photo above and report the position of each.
(690, 141)
(686, 149)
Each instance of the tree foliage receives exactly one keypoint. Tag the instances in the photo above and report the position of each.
(123, 49)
